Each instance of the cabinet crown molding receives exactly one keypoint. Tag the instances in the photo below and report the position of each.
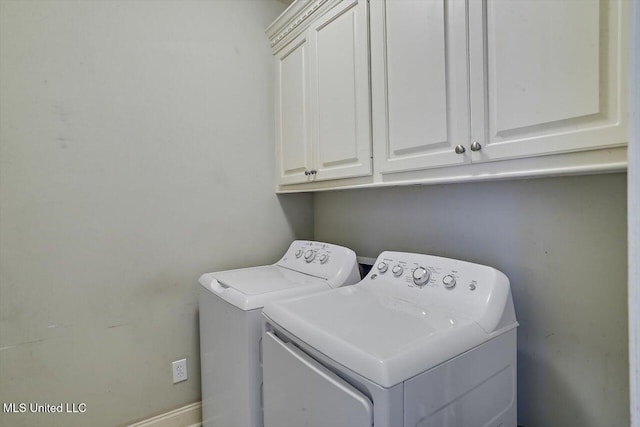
(293, 17)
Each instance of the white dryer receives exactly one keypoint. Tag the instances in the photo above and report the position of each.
(421, 341)
(230, 304)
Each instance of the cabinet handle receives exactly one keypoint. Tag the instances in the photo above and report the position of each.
(313, 172)
(307, 173)
(460, 149)
(475, 146)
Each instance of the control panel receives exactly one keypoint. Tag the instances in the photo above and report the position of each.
(459, 287)
(317, 252)
(418, 271)
(319, 259)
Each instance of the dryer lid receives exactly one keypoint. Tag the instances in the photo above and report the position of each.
(381, 337)
(251, 288)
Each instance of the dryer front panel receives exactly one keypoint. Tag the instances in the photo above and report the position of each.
(298, 391)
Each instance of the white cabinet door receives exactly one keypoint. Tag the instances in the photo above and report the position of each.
(340, 100)
(293, 143)
(420, 73)
(546, 76)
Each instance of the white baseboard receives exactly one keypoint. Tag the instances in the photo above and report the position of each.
(187, 416)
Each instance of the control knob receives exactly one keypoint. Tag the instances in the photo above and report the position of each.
(449, 281)
(309, 255)
(421, 276)
(397, 270)
(299, 253)
(382, 266)
(324, 258)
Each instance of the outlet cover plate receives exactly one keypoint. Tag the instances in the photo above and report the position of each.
(179, 368)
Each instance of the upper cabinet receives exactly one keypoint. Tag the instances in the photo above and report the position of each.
(546, 76)
(448, 90)
(292, 104)
(322, 94)
(420, 74)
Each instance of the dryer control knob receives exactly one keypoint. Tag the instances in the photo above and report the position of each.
(382, 266)
(421, 276)
(324, 258)
(397, 270)
(309, 255)
(449, 281)
(299, 253)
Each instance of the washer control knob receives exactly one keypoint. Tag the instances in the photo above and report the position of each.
(309, 255)
(421, 276)
(299, 253)
(397, 270)
(382, 267)
(324, 258)
(449, 281)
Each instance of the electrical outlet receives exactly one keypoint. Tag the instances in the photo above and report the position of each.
(179, 370)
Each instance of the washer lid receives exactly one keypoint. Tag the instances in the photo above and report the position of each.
(251, 288)
(384, 338)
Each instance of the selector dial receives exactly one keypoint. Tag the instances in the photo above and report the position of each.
(449, 281)
(324, 258)
(382, 267)
(397, 270)
(299, 253)
(309, 255)
(421, 276)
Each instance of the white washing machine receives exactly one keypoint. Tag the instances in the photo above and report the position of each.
(230, 305)
(421, 341)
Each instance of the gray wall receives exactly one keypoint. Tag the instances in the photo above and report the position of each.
(136, 153)
(561, 241)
